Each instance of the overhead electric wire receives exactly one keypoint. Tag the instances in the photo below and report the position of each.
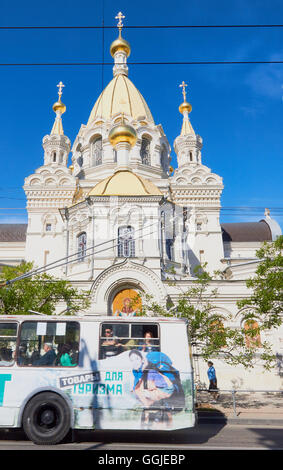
(93, 64)
(49, 266)
(145, 26)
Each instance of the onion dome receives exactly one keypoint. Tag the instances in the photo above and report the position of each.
(122, 133)
(120, 96)
(120, 45)
(125, 183)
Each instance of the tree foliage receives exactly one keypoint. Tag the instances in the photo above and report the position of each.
(266, 300)
(213, 332)
(40, 293)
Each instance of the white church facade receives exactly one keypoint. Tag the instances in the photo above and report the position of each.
(127, 221)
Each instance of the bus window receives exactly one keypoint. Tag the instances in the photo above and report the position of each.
(111, 340)
(147, 336)
(116, 338)
(8, 338)
(45, 343)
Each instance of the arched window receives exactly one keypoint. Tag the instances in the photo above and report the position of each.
(97, 151)
(163, 159)
(252, 334)
(145, 151)
(217, 332)
(54, 156)
(126, 242)
(81, 246)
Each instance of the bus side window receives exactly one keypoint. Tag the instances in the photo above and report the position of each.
(48, 344)
(112, 338)
(8, 339)
(147, 336)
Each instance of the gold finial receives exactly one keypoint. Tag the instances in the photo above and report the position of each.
(185, 106)
(59, 106)
(120, 25)
(120, 44)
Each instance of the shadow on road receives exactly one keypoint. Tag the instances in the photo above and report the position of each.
(197, 435)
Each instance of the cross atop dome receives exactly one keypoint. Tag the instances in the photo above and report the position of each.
(120, 49)
(184, 85)
(120, 17)
(60, 86)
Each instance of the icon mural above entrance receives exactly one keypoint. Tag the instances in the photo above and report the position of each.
(126, 303)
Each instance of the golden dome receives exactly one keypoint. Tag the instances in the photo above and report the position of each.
(120, 96)
(185, 106)
(125, 183)
(59, 106)
(122, 133)
(120, 44)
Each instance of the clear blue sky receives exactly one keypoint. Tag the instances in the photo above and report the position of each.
(237, 109)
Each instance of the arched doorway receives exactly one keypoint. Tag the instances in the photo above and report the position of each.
(127, 302)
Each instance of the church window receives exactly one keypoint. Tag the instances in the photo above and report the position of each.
(126, 242)
(145, 151)
(81, 246)
(164, 158)
(48, 227)
(198, 226)
(97, 151)
(169, 248)
(54, 156)
(191, 156)
(80, 161)
(217, 333)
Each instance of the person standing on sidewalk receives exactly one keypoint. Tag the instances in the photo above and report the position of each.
(212, 381)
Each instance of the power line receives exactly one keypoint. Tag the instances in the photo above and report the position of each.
(145, 26)
(193, 62)
(66, 260)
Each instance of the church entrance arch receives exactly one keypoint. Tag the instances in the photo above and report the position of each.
(126, 280)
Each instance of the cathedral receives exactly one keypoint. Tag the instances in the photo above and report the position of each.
(127, 222)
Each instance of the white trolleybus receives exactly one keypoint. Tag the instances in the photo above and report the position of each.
(61, 373)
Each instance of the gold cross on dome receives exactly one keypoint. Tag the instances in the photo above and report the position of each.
(183, 85)
(60, 86)
(120, 17)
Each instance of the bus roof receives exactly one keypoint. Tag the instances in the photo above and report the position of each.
(94, 318)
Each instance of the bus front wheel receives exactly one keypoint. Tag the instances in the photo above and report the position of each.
(46, 419)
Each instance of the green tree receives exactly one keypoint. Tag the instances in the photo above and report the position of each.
(266, 300)
(40, 293)
(209, 329)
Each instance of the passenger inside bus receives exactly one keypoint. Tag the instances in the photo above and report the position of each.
(119, 337)
(147, 344)
(6, 358)
(48, 358)
(110, 346)
(64, 356)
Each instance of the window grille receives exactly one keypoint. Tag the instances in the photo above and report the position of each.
(126, 242)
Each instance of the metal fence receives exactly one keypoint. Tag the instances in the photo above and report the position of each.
(242, 400)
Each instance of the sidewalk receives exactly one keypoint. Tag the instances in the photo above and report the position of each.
(254, 408)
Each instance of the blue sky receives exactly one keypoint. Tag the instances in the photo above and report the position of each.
(237, 109)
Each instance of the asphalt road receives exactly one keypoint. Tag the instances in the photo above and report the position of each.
(202, 437)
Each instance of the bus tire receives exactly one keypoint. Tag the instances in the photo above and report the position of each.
(46, 419)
